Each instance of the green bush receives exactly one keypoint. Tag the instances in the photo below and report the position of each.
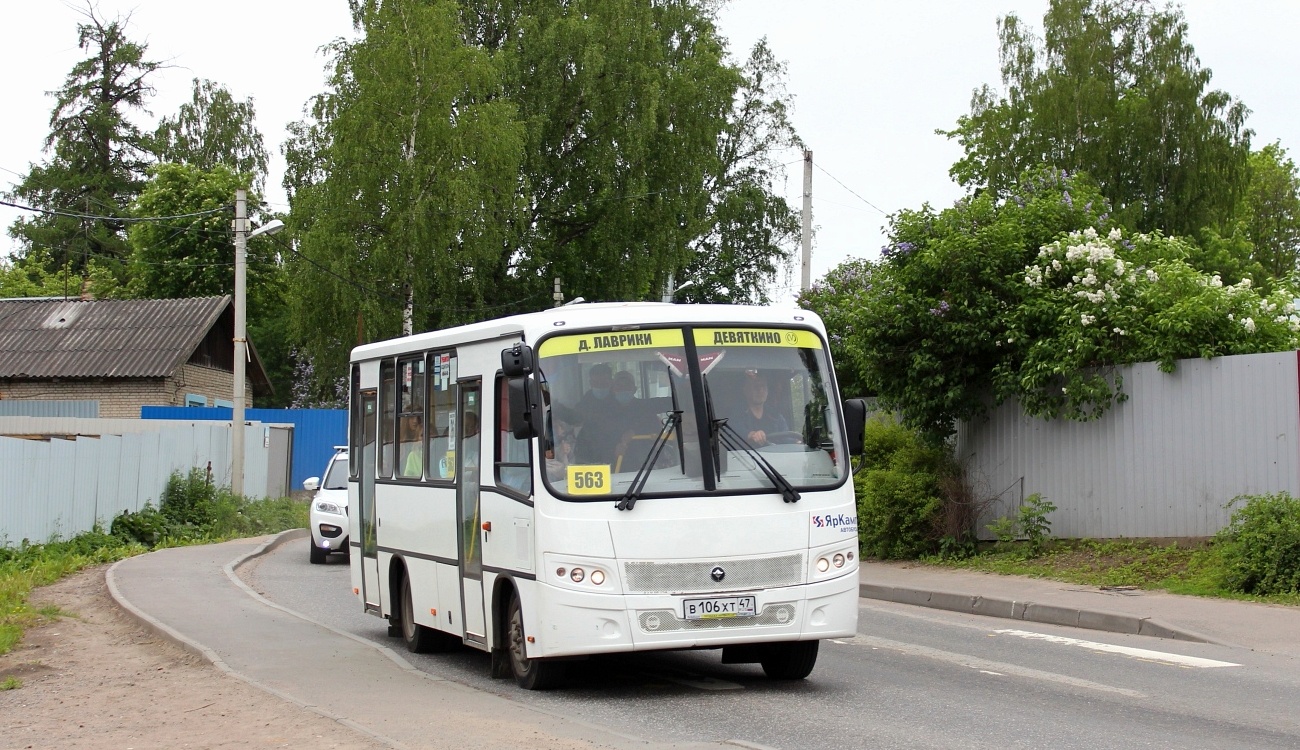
(187, 501)
(193, 510)
(902, 494)
(148, 526)
(1261, 545)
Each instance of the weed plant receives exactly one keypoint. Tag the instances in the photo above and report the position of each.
(191, 511)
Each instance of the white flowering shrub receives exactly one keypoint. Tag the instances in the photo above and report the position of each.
(1095, 301)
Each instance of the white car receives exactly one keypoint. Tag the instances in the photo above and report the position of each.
(328, 518)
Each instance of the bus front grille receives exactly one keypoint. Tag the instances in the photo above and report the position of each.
(701, 577)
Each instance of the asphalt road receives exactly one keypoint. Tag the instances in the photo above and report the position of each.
(912, 678)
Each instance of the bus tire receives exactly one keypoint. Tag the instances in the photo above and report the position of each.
(793, 660)
(530, 674)
(418, 638)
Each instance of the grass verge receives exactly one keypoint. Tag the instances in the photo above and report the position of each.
(1196, 569)
(28, 566)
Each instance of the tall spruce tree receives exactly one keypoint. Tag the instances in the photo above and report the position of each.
(97, 155)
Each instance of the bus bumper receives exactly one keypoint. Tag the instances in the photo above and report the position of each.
(576, 623)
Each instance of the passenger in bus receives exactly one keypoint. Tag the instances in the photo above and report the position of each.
(560, 449)
(601, 378)
(755, 420)
(609, 433)
(412, 448)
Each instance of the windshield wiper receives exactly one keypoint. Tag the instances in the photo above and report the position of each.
(643, 474)
(733, 440)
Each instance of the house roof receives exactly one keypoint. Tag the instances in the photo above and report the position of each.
(72, 338)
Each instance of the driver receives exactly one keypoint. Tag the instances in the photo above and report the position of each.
(755, 421)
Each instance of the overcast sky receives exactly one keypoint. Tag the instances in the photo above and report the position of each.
(871, 80)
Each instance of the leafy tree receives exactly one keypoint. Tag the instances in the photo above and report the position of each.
(1036, 297)
(468, 153)
(31, 278)
(750, 228)
(402, 185)
(212, 129)
(623, 103)
(1270, 210)
(1115, 89)
(97, 154)
(194, 256)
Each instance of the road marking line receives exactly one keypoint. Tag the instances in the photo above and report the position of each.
(987, 665)
(1139, 653)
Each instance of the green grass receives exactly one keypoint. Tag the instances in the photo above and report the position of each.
(29, 566)
(1191, 569)
(11, 683)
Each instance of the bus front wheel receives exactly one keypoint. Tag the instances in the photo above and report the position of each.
(789, 661)
(530, 674)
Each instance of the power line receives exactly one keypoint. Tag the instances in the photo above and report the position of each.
(127, 219)
(846, 187)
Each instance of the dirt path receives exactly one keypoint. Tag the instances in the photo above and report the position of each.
(96, 679)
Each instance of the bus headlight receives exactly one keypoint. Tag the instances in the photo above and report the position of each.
(597, 577)
(823, 565)
(576, 575)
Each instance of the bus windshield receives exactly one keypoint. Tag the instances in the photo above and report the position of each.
(691, 410)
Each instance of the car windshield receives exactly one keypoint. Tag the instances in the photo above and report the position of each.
(337, 476)
(688, 410)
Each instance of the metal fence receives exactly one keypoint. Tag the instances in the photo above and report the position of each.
(315, 431)
(1164, 463)
(65, 475)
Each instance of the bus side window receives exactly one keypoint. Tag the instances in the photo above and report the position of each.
(513, 468)
(442, 422)
(387, 417)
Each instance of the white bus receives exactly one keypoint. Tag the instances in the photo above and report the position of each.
(647, 476)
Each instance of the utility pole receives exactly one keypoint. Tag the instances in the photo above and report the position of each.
(557, 295)
(241, 335)
(806, 279)
(241, 345)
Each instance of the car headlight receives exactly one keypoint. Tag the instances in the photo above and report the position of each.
(327, 507)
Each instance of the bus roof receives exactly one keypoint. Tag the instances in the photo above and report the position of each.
(582, 316)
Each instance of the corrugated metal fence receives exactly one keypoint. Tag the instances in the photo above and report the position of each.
(1164, 463)
(315, 431)
(67, 474)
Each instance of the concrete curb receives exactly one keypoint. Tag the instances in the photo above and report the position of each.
(1049, 614)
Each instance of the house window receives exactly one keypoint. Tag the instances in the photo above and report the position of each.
(223, 403)
(194, 399)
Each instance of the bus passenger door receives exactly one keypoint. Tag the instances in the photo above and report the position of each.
(467, 503)
(366, 505)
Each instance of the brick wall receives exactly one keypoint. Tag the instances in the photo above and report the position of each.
(121, 398)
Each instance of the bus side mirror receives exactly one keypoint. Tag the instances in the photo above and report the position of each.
(517, 360)
(855, 423)
(524, 400)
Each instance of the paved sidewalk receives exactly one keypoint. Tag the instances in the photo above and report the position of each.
(192, 596)
(1259, 627)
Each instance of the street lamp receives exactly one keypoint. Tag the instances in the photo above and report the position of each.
(241, 337)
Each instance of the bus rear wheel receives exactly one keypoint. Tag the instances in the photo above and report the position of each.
(789, 661)
(530, 674)
(418, 638)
